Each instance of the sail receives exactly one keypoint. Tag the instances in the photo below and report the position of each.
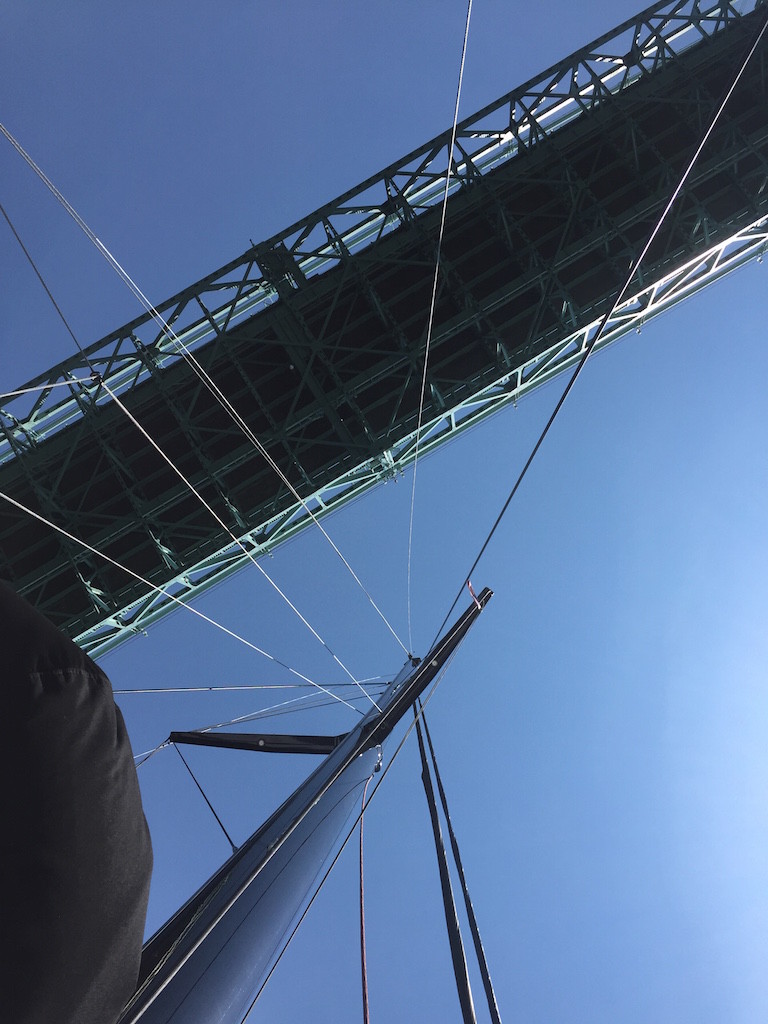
(75, 854)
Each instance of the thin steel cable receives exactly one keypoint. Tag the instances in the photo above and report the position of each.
(376, 680)
(222, 399)
(205, 797)
(140, 759)
(273, 711)
(190, 486)
(236, 540)
(252, 716)
(172, 597)
(201, 373)
(605, 320)
(278, 710)
(430, 322)
(318, 702)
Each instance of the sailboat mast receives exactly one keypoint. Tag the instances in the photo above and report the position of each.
(210, 958)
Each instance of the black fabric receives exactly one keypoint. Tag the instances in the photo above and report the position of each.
(75, 854)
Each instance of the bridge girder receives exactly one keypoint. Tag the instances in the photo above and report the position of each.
(316, 335)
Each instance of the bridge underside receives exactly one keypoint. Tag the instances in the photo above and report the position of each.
(327, 373)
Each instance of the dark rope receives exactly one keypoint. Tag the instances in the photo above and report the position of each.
(485, 973)
(202, 793)
(48, 292)
(363, 962)
(449, 904)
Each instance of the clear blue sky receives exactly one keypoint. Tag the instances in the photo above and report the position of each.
(602, 732)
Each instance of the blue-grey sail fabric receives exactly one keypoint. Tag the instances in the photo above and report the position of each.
(75, 853)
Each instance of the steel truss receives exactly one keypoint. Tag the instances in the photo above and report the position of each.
(319, 330)
(517, 122)
(632, 315)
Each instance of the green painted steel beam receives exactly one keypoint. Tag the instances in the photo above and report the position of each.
(631, 316)
(316, 335)
(515, 124)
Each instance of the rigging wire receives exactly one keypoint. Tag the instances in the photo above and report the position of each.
(140, 759)
(272, 711)
(249, 554)
(199, 370)
(190, 486)
(171, 597)
(431, 318)
(285, 707)
(203, 794)
(607, 317)
(376, 680)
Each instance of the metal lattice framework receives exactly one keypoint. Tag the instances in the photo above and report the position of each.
(316, 335)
